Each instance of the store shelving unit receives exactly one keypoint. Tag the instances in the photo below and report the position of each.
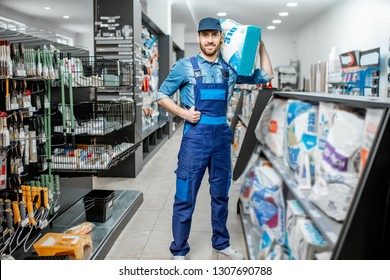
(363, 234)
(156, 135)
(37, 114)
(250, 141)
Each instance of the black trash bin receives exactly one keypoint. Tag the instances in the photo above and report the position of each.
(98, 205)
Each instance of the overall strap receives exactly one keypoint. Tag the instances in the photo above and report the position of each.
(225, 73)
(195, 66)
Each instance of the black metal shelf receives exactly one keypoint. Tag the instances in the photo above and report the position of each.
(104, 234)
(118, 158)
(368, 214)
(348, 100)
(150, 130)
(244, 120)
(250, 141)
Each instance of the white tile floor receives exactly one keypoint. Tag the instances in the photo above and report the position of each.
(148, 234)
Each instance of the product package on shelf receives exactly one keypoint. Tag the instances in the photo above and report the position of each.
(150, 66)
(372, 121)
(240, 46)
(233, 103)
(303, 238)
(272, 126)
(339, 165)
(20, 62)
(90, 156)
(301, 140)
(96, 117)
(262, 198)
(239, 136)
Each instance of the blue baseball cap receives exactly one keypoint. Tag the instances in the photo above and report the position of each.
(209, 24)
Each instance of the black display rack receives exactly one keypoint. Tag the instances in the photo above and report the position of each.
(365, 230)
(249, 143)
(151, 139)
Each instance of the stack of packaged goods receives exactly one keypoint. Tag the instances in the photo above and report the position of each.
(326, 146)
(150, 68)
(262, 198)
(239, 135)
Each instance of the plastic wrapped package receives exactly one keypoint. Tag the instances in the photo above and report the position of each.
(53, 244)
(276, 127)
(307, 241)
(301, 140)
(262, 127)
(268, 212)
(371, 124)
(339, 165)
(240, 46)
(246, 190)
(294, 213)
(82, 228)
(325, 112)
(239, 136)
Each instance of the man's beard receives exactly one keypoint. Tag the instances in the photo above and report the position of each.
(207, 52)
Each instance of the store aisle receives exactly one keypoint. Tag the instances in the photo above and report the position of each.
(148, 234)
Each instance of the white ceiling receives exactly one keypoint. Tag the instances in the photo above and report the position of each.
(188, 12)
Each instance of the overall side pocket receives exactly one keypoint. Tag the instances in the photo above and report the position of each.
(182, 177)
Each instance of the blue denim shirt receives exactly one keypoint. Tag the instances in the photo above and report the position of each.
(182, 77)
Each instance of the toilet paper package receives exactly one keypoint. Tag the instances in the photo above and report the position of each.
(240, 46)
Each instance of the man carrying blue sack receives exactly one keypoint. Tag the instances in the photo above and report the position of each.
(206, 85)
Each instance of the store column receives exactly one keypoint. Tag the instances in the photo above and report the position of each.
(160, 13)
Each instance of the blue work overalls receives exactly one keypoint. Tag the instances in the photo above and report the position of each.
(204, 144)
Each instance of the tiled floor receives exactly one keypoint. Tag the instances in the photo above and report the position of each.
(148, 234)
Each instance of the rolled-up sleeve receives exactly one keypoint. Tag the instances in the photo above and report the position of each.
(259, 77)
(173, 82)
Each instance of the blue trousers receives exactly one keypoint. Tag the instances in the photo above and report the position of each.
(202, 146)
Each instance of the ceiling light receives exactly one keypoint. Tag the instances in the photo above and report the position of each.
(66, 17)
(271, 27)
(221, 14)
(292, 4)
(283, 14)
(47, 8)
(276, 21)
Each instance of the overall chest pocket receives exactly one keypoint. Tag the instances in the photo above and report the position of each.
(213, 94)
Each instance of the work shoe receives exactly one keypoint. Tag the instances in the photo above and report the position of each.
(230, 253)
(179, 258)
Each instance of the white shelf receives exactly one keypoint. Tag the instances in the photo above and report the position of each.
(329, 228)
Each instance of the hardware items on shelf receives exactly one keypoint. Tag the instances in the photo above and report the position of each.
(150, 66)
(52, 244)
(96, 117)
(28, 207)
(360, 73)
(288, 76)
(24, 62)
(92, 156)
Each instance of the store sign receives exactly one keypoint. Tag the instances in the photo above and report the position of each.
(349, 59)
(370, 58)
